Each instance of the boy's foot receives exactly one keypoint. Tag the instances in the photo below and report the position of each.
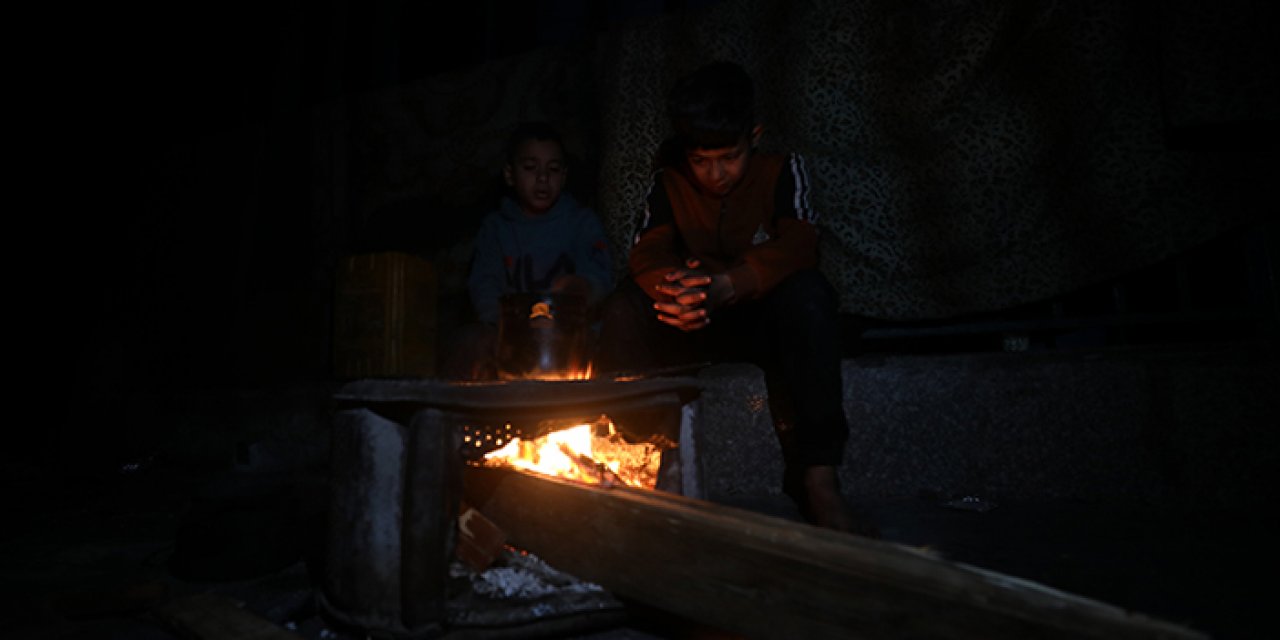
(817, 492)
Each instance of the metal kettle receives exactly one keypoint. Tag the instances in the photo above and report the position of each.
(542, 336)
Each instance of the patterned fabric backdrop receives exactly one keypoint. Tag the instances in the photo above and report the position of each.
(966, 156)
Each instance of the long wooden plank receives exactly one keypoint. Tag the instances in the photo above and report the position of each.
(767, 577)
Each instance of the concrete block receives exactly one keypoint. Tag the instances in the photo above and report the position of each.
(1118, 425)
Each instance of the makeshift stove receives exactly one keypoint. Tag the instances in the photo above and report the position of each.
(399, 448)
(400, 475)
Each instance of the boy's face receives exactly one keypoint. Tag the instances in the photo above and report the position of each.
(718, 171)
(537, 175)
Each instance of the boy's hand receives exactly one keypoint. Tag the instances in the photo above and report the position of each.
(682, 317)
(694, 294)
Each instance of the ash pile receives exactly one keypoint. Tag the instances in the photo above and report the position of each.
(521, 592)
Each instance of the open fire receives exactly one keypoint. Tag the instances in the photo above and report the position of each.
(593, 453)
(395, 462)
(575, 374)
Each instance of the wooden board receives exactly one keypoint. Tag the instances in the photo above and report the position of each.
(384, 318)
(767, 577)
(208, 616)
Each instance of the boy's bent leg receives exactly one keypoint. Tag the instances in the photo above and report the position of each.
(804, 319)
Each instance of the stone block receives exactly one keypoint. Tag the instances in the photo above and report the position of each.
(1118, 425)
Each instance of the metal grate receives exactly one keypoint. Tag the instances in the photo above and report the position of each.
(480, 439)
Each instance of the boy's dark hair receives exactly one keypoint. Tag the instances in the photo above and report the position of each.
(526, 131)
(713, 107)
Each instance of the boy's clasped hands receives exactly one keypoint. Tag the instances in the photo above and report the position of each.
(693, 295)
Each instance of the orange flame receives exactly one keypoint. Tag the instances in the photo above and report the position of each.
(589, 453)
(584, 374)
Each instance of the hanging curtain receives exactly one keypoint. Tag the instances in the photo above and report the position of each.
(965, 156)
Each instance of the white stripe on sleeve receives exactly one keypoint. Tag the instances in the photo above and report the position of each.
(800, 200)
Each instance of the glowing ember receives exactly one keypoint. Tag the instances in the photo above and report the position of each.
(584, 374)
(591, 453)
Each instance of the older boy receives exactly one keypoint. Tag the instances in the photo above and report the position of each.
(540, 239)
(723, 267)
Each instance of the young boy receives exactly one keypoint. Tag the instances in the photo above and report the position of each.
(539, 240)
(724, 267)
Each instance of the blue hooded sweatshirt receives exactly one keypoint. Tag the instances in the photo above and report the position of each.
(519, 253)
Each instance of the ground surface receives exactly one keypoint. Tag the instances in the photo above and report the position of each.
(93, 555)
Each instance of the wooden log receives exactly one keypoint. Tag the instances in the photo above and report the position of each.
(111, 600)
(766, 577)
(480, 542)
(208, 616)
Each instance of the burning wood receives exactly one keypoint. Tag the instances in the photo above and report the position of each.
(591, 453)
(570, 375)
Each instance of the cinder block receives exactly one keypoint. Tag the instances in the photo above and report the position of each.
(1119, 425)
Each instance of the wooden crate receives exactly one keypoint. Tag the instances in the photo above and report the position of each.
(384, 322)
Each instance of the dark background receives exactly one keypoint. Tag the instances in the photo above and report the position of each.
(173, 265)
(189, 266)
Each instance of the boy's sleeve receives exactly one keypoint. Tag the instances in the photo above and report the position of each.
(488, 276)
(793, 247)
(655, 249)
(594, 261)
